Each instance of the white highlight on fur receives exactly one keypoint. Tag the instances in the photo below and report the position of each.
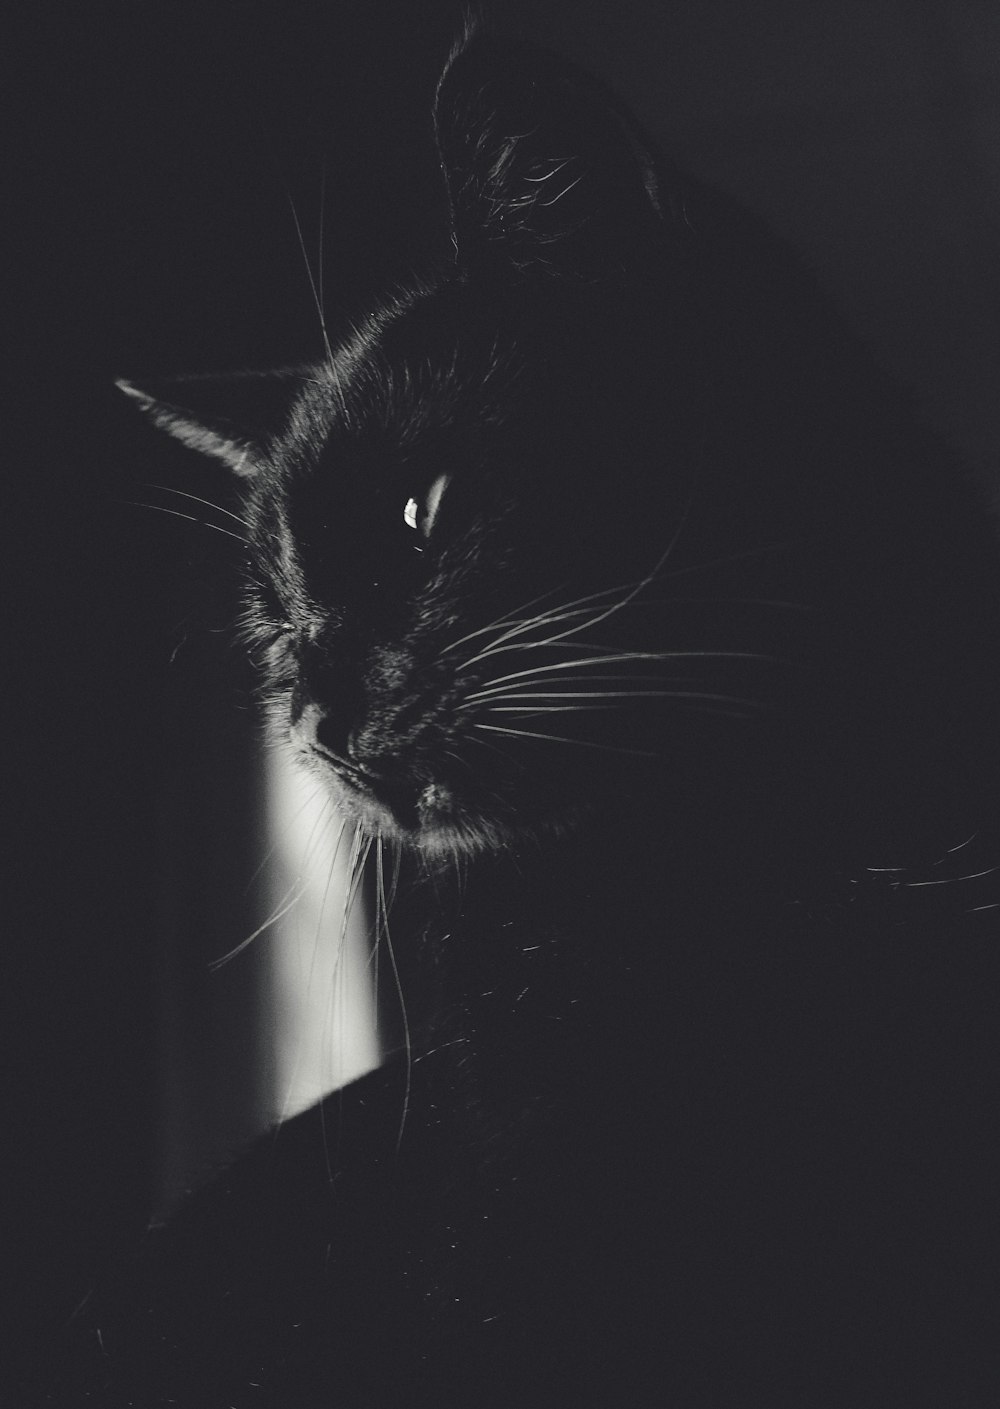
(321, 1022)
(231, 450)
(420, 514)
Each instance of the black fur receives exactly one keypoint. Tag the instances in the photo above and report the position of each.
(696, 1106)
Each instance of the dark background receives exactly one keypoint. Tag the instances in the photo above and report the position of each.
(152, 156)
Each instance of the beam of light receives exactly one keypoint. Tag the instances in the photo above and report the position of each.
(320, 1018)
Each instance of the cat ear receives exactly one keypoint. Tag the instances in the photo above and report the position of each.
(543, 166)
(230, 418)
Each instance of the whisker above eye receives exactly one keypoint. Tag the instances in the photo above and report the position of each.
(317, 300)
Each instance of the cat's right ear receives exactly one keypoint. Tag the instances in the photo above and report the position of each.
(230, 418)
(546, 170)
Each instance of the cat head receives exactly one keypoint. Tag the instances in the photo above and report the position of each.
(442, 516)
(519, 542)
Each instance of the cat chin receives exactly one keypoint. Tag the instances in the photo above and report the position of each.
(482, 837)
(435, 832)
(436, 825)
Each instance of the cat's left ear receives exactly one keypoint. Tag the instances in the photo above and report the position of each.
(230, 418)
(545, 169)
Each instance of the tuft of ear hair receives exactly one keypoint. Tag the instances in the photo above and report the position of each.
(229, 417)
(536, 153)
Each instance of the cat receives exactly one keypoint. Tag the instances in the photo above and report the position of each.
(643, 637)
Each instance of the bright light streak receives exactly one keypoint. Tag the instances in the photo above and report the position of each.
(323, 1017)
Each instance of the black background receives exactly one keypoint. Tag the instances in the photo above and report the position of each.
(153, 157)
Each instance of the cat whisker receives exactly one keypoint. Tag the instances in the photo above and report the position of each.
(556, 739)
(634, 591)
(611, 695)
(175, 513)
(562, 685)
(734, 709)
(621, 657)
(209, 504)
(497, 690)
(573, 603)
(584, 647)
(397, 862)
(382, 920)
(335, 974)
(312, 282)
(558, 613)
(524, 622)
(560, 164)
(568, 610)
(741, 557)
(335, 995)
(951, 880)
(355, 870)
(360, 847)
(961, 847)
(488, 744)
(631, 591)
(326, 896)
(216, 964)
(487, 700)
(564, 192)
(651, 575)
(320, 260)
(543, 623)
(682, 696)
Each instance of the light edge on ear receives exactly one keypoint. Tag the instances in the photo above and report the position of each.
(484, 172)
(237, 452)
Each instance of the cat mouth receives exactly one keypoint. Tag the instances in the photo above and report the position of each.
(386, 802)
(423, 811)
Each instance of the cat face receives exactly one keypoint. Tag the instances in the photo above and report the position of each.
(445, 559)
(456, 532)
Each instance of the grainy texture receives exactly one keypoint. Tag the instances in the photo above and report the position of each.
(641, 632)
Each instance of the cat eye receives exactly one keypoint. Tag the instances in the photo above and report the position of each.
(419, 514)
